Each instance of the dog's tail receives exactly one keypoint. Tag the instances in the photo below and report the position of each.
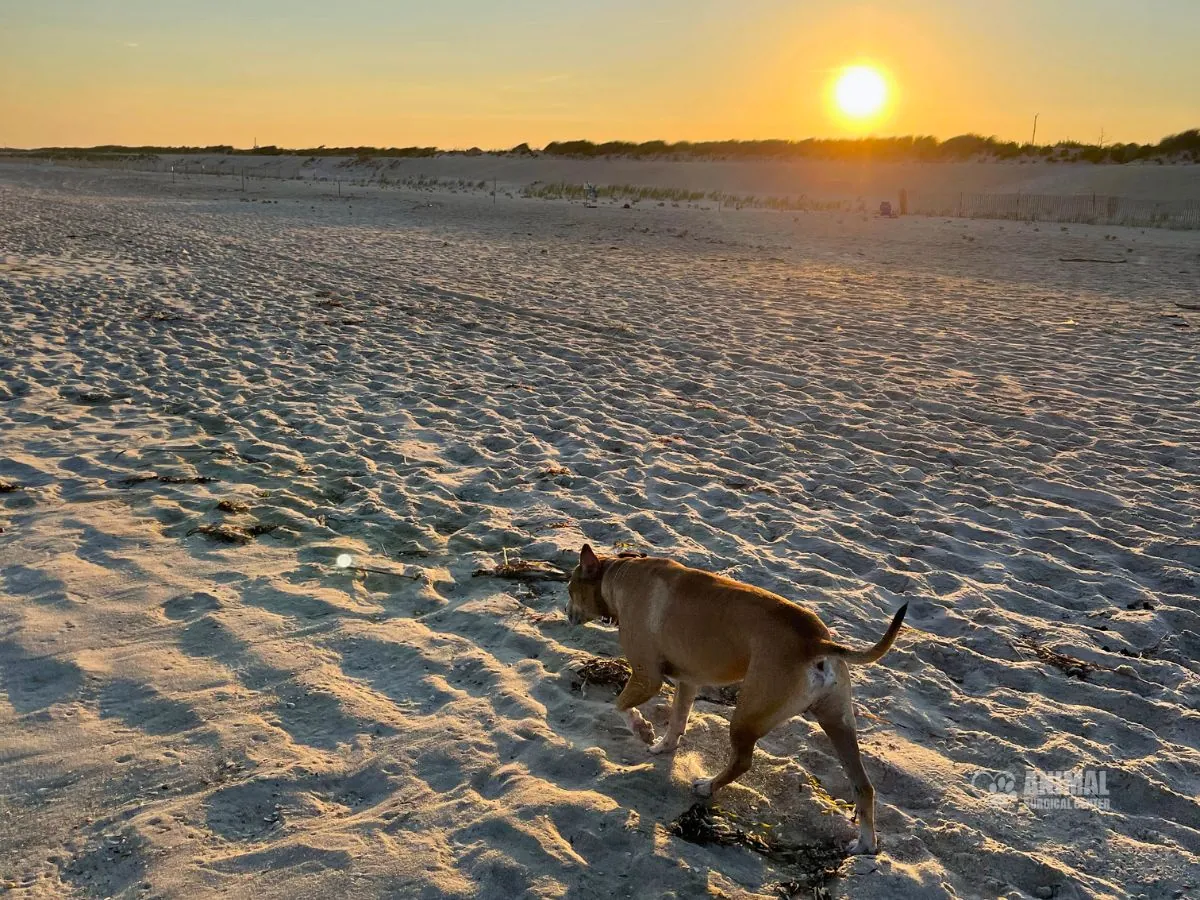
(872, 654)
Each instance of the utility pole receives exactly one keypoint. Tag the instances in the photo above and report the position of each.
(1033, 140)
(1101, 137)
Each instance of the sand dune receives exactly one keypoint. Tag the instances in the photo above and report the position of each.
(1172, 187)
(850, 411)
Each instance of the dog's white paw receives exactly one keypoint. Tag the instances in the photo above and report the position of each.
(663, 745)
(645, 731)
(860, 847)
(642, 729)
(702, 787)
(639, 725)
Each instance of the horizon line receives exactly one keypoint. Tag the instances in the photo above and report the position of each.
(969, 143)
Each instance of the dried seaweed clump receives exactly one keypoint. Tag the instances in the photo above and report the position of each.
(524, 570)
(95, 397)
(602, 670)
(811, 866)
(1069, 665)
(232, 534)
(8, 487)
(186, 479)
(143, 477)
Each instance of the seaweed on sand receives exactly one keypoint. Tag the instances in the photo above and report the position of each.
(524, 570)
(1069, 665)
(602, 670)
(810, 866)
(232, 534)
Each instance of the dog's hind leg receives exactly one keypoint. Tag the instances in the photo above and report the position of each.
(685, 693)
(836, 718)
(643, 684)
(759, 710)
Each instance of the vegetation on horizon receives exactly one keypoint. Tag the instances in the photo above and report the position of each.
(911, 148)
(1183, 147)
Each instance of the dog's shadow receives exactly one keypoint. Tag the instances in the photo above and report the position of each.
(795, 833)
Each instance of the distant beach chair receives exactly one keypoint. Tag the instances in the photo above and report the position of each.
(885, 210)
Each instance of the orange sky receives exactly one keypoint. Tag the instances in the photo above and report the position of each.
(468, 72)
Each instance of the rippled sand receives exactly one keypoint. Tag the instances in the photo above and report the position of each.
(851, 412)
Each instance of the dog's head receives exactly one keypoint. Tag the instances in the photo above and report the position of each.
(584, 603)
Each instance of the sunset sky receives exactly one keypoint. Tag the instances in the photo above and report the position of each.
(460, 73)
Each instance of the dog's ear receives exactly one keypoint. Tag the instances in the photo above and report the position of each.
(589, 562)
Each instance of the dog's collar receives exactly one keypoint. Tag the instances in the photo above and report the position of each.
(610, 604)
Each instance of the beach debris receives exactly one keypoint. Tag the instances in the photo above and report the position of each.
(1068, 665)
(606, 671)
(158, 314)
(1088, 259)
(143, 477)
(8, 487)
(232, 534)
(828, 802)
(613, 672)
(811, 866)
(95, 397)
(219, 450)
(233, 506)
(1145, 653)
(624, 546)
(548, 523)
(740, 483)
(346, 562)
(518, 569)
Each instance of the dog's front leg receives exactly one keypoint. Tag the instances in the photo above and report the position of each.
(685, 693)
(643, 684)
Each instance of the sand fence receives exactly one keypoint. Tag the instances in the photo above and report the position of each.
(1083, 208)
(1092, 209)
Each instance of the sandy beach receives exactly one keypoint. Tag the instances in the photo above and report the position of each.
(208, 397)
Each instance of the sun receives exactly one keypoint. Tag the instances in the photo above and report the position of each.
(860, 92)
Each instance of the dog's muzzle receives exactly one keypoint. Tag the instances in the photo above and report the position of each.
(574, 616)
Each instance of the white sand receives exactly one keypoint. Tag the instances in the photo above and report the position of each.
(851, 412)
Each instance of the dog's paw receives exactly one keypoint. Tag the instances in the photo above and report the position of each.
(643, 729)
(640, 726)
(663, 745)
(702, 787)
(861, 847)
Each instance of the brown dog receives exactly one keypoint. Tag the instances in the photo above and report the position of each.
(702, 629)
